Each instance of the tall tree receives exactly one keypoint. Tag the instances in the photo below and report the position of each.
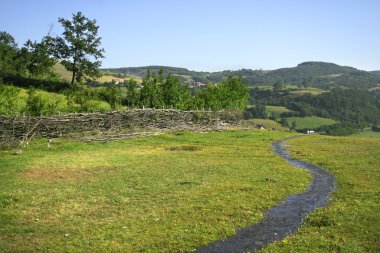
(79, 48)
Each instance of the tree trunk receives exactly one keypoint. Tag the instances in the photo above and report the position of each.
(73, 79)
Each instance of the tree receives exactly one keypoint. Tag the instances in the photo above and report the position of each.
(8, 53)
(233, 93)
(278, 85)
(132, 94)
(79, 48)
(175, 94)
(37, 58)
(151, 92)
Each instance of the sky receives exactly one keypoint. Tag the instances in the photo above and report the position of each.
(213, 35)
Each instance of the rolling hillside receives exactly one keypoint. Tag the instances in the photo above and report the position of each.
(314, 74)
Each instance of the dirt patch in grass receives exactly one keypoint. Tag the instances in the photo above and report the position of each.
(59, 174)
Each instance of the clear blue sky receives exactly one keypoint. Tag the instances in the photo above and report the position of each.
(214, 35)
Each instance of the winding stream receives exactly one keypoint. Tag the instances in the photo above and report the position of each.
(286, 217)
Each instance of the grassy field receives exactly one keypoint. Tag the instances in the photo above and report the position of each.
(59, 69)
(310, 122)
(67, 75)
(103, 79)
(309, 90)
(164, 193)
(351, 223)
(277, 109)
(368, 133)
(266, 123)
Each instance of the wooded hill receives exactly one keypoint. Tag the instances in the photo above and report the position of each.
(314, 74)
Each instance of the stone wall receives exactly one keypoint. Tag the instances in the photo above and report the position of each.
(131, 120)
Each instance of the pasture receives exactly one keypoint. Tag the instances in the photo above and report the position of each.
(311, 122)
(176, 192)
(164, 193)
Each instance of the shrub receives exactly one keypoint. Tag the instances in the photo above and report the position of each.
(45, 103)
(10, 102)
(96, 106)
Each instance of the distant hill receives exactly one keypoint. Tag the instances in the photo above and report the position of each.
(377, 72)
(314, 74)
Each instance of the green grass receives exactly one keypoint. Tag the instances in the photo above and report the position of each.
(351, 222)
(164, 193)
(310, 122)
(368, 133)
(61, 71)
(309, 90)
(277, 109)
(266, 123)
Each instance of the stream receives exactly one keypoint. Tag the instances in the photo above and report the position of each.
(286, 217)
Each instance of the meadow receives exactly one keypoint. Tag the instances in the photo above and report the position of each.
(351, 222)
(310, 122)
(176, 192)
(166, 193)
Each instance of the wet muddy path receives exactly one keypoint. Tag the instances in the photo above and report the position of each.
(286, 217)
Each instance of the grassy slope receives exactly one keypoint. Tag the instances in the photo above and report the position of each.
(351, 223)
(310, 122)
(178, 191)
(62, 72)
(277, 109)
(67, 75)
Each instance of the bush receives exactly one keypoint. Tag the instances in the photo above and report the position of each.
(45, 103)
(10, 101)
(96, 106)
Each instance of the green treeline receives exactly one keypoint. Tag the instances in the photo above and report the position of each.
(309, 74)
(155, 91)
(28, 84)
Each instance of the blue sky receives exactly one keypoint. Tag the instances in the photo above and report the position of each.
(213, 35)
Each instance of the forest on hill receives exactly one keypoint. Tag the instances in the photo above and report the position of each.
(314, 74)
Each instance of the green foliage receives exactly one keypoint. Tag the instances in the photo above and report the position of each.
(9, 100)
(231, 93)
(313, 74)
(37, 58)
(258, 111)
(278, 85)
(79, 44)
(86, 99)
(8, 54)
(44, 103)
(175, 95)
(112, 95)
(133, 96)
(151, 94)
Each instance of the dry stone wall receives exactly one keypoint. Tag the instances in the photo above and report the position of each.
(133, 120)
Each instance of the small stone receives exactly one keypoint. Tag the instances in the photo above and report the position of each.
(66, 235)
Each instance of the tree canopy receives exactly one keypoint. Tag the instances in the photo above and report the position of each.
(78, 48)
